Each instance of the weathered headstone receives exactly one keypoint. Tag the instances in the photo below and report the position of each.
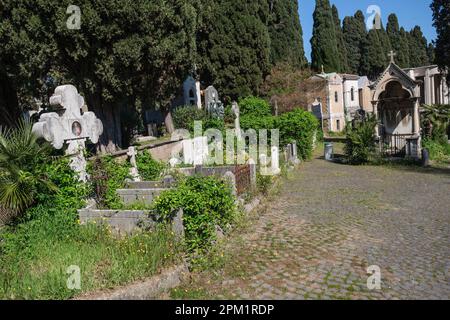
(231, 179)
(69, 126)
(178, 225)
(213, 105)
(191, 92)
(275, 160)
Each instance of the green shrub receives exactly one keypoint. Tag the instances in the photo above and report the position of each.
(360, 143)
(254, 106)
(206, 202)
(263, 183)
(300, 126)
(257, 123)
(184, 117)
(108, 175)
(149, 169)
(214, 123)
(20, 156)
(439, 151)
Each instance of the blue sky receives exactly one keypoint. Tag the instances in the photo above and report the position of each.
(409, 13)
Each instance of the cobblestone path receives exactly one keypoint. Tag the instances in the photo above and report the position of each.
(328, 223)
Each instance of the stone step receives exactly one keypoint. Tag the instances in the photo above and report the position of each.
(143, 196)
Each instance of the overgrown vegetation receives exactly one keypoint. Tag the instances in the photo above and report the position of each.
(360, 143)
(436, 124)
(20, 158)
(109, 174)
(207, 203)
(38, 247)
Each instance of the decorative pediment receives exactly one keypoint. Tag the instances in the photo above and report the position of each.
(393, 73)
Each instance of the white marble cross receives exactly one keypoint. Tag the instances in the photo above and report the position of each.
(69, 126)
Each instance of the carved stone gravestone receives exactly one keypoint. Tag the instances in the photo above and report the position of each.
(68, 126)
(230, 178)
(213, 105)
(191, 92)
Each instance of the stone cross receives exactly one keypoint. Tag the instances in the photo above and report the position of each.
(134, 173)
(392, 54)
(69, 126)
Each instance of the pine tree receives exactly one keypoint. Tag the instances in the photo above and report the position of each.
(343, 55)
(234, 45)
(324, 44)
(418, 48)
(354, 33)
(286, 33)
(441, 17)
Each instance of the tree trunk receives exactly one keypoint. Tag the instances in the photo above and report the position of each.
(9, 106)
(110, 140)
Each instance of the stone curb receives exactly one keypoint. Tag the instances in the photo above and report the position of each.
(144, 290)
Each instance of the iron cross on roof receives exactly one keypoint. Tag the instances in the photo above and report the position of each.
(392, 54)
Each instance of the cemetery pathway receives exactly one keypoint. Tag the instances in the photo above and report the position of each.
(328, 223)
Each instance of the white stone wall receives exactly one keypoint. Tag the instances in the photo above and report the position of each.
(351, 106)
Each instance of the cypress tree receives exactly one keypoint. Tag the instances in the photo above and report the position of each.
(431, 53)
(441, 18)
(234, 45)
(418, 48)
(324, 44)
(354, 33)
(404, 49)
(375, 53)
(286, 33)
(399, 44)
(343, 55)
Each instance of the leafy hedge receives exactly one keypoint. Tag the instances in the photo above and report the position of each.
(300, 126)
(184, 117)
(254, 106)
(207, 202)
(257, 123)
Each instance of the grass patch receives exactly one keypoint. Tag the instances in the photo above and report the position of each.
(40, 270)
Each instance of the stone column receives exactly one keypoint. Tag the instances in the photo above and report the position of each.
(198, 94)
(416, 118)
(427, 84)
(432, 90)
(375, 112)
